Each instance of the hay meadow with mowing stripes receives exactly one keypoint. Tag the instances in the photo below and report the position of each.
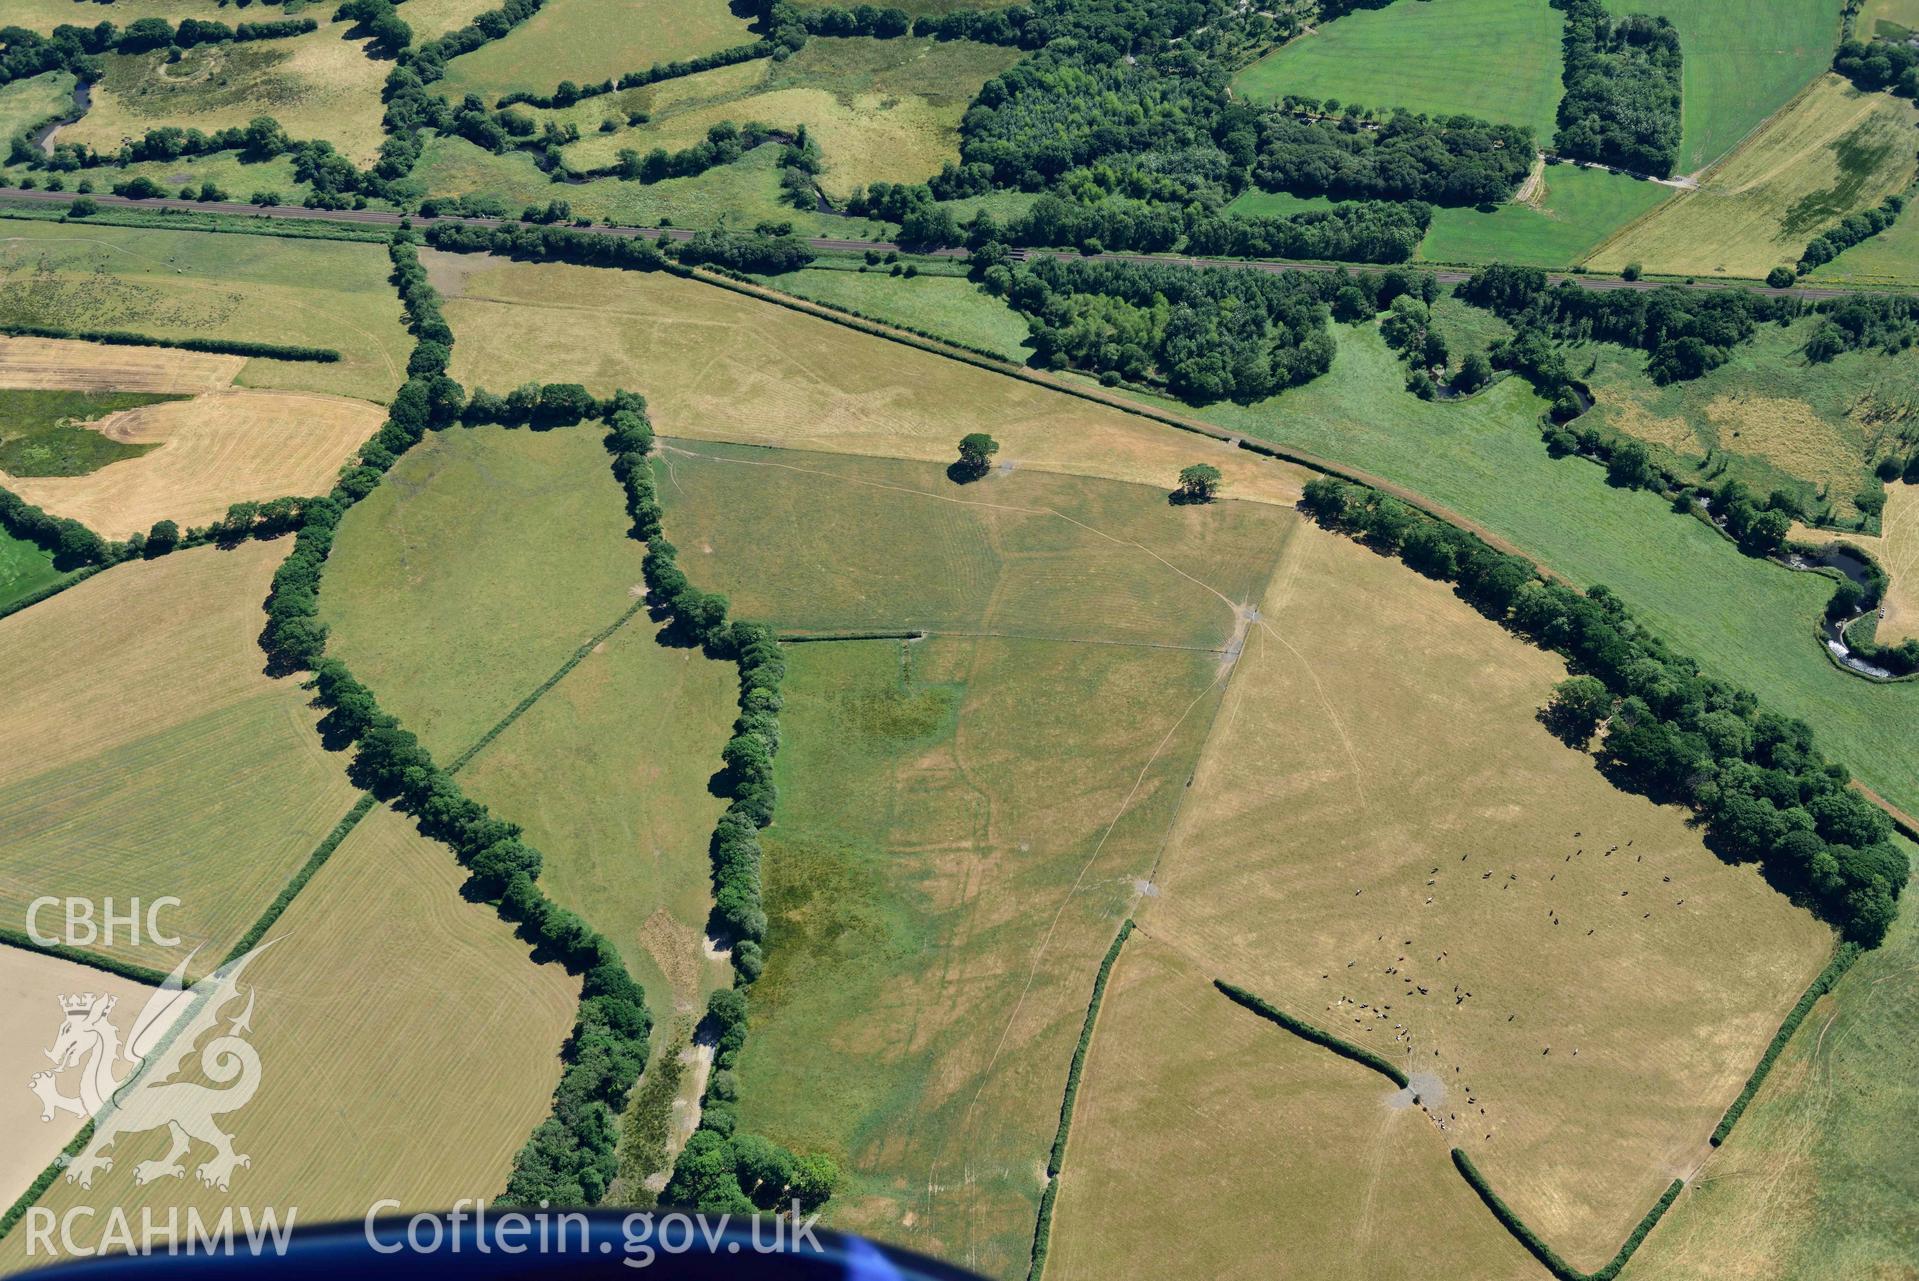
(587, 41)
(190, 284)
(382, 990)
(1833, 152)
(147, 754)
(198, 456)
(1381, 840)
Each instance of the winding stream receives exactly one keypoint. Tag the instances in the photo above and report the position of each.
(1853, 566)
(82, 103)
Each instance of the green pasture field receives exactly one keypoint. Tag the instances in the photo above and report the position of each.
(1747, 620)
(381, 986)
(1195, 1119)
(823, 543)
(880, 110)
(1497, 60)
(1814, 1183)
(1274, 204)
(187, 284)
(608, 774)
(1889, 258)
(318, 85)
(961, 817)
(146, 753)
(1482, 909)
(962, 822)
(919, 8)
(484, 560)
(1740, 69)
(587, 41)
(1578, 208)
(24, 569)
(1771, 417)
(1893, 19)
(44, 15)
(742, 194)
(40, 435)
(1835, 152)
(25, 103)
(951, 306)
(227, 170)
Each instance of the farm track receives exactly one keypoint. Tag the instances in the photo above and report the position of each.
(829, 244)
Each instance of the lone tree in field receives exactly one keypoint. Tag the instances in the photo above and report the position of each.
(1578, 704)
(1197, 484)
(976, 450)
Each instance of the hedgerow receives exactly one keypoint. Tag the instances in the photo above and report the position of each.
(1056, 1162)
(220, 346)
(1764, 791)
(1842, 960)
(1545, 1253)
(1318, 1036)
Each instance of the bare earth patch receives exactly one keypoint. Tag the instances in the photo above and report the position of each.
(59, 364)
(216, 449)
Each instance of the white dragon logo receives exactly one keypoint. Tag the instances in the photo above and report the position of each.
(173, 1021)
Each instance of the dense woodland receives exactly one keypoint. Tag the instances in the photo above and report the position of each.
(1454, 161)
(1622, 77)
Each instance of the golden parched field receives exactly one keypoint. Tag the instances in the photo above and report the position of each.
(1382, 840)
(221, 448)
(144, 752)
(1210, 1142)
(59, 364)
(30, 987)
(1832, 151)
(381, 991)
(880, 110)
(192, 284)
(715, 365)
(318, 86)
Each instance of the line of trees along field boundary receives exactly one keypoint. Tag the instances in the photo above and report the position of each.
(1842, 960)
(1548, 1256)
(1317, 1035)
(218, 346)
(1056, 1160)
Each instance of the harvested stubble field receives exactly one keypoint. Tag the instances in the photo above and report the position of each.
(719, 366)
(1197, 1122)
(480, 565)
(382, 989)
(202, 454)
(1834, 152)
(190, 284)
(1494, 59)
(147, 754)
(880, 110)
(1818, 1181)
(608, 773)
(962, 818)
(53, 364)
(51, 433)
(1768, 416)
(1382, 840)
(30, 987)
(587, 41)
(1745, 619)
(319, 85)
